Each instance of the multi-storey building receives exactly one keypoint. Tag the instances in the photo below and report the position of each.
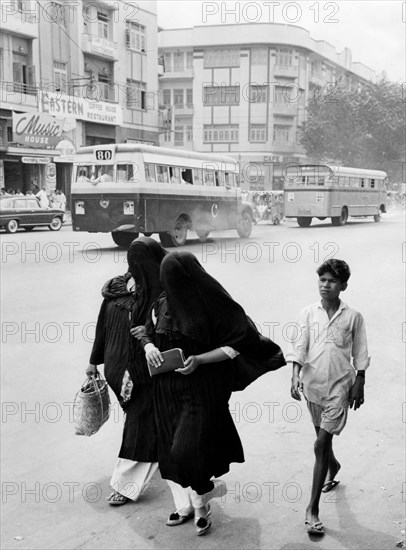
(242, 89)
(73, 74)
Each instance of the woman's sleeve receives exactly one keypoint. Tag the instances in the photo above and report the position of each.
(148, 338)
(97, 355)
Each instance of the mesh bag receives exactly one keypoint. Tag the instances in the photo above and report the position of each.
(91, 408)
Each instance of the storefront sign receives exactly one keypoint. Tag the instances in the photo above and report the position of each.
(67, 151)
(37, 130)
(35, 160)
(80, 108)
(105, 47)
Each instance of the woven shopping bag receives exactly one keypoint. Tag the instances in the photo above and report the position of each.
(91, 408)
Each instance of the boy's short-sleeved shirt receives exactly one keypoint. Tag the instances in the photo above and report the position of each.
(324, 348)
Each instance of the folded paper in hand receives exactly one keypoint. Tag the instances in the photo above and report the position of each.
(173, 359)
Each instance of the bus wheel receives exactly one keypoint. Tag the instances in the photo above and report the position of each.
(340, 220)
(244, 226)
(202, 234)
(123, 239)
(377, 217)
(177, 237)
(304, 222)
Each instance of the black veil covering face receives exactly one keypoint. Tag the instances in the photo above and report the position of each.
(203, 310)
(144, 258)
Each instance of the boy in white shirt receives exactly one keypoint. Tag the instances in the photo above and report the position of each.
(329, 334)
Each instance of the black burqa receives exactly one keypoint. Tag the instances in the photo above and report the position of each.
(197, 438)
(119, 351)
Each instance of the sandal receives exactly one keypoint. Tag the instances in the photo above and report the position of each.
(203, 524)
(178, 519)
(117, 499)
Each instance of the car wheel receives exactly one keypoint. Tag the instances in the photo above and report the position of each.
(55, 224)
(12, 226)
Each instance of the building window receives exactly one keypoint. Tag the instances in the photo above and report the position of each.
(222, 58)
(178, 64)
(23, 74)
(284, 56)
(179, 135)
(220, 133)
(189, 97)
(60, 77)
(136, 95)
(258, 94)
(178, 98)
(103, 24)
(189, 133)
(221, 95)
(259, 56)
(56, 12)
(281, 133)
(166, 96)
(105, 87)
(189, 60)
(257, 132)
(168, 62)
(135, 36)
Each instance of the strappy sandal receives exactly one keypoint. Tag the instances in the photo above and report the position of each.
(117, 499)
(203, 524)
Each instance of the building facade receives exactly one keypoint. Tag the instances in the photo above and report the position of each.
(242, 89)
(73, 74)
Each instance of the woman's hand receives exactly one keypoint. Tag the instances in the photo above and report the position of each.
(138, 332)
(191, 364)
(153, 356)
(91, 370)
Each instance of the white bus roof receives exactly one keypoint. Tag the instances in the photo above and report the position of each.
(347, 171)
(141, 148)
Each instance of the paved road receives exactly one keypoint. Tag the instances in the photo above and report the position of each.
(54, 483)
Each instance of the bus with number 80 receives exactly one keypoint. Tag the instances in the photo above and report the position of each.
(127, 189)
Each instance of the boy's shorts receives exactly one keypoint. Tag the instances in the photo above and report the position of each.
(332, 419)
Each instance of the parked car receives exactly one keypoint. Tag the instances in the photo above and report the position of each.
(25, 212)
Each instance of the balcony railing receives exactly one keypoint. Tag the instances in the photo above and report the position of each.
(286, 70)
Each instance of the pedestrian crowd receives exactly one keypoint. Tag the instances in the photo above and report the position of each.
(57, 198)
(178, 421)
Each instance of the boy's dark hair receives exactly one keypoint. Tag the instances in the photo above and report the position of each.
(338, 268)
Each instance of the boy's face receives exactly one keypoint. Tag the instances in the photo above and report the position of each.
(330, 287)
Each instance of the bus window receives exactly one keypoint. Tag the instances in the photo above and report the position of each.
(208, 177)
(125, 172)
(372, 184)
(150, 172)
(162, 173)
(354, 182)
(362, 182)
(186, 176)
(174, 174)
(218, 178)
(229, 179)
(197, 176)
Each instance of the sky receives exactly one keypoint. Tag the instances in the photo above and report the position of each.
(373, 30)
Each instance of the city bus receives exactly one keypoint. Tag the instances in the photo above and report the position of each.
(326, 191)
(126, 189)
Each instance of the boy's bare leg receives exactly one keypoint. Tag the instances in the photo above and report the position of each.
(333, 465)
(323, 453)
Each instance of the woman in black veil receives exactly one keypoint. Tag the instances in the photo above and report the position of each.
(127, 301)
(197, 438)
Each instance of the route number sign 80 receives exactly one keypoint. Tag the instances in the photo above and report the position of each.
(103, 155)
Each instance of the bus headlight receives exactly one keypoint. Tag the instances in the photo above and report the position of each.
(79, 207)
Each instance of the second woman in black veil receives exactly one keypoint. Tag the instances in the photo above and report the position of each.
(197, 438)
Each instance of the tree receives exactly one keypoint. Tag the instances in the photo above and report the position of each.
(362, 129)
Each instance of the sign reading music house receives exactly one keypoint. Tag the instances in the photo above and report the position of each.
(37, 130)
(78, 107)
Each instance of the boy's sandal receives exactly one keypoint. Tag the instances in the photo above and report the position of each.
(315, 529)
(177, 519)
(116, 499)
(329, 486)
(203, 524)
